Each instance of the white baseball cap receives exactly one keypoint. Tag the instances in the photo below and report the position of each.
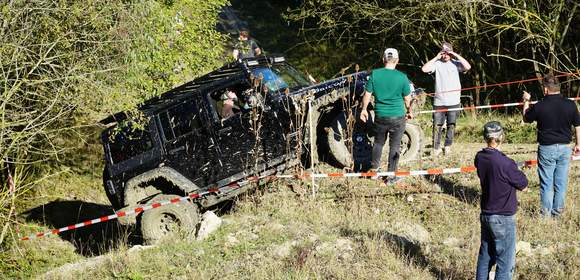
(391, 53)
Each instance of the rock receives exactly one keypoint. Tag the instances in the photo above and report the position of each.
(414, 233)
(227, 222)
(283, 250)
(138, 248)
(543, 251)
(313, 237)
(344, 248)
(410, 198)
(252, 236)
(210, 222)
(524, 248)
(84, 265)
(453, 242)
(324, 248)
(275, 227)
(343, 244)
(231, 240)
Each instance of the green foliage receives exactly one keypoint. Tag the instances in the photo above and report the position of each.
(504, 40)
(67, 64)
(177, 42)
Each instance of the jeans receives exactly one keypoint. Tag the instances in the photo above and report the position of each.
(438, 119)
(553, 163)
(394, 129)
(498, 246)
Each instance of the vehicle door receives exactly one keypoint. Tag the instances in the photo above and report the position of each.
(280, 129)
(234, 131)
(190, 148)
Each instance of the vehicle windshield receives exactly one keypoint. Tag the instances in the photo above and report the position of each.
(280, 77)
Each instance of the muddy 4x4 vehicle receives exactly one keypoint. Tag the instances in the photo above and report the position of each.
(248, 118)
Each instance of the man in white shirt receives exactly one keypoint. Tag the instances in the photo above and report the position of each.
(446, 66)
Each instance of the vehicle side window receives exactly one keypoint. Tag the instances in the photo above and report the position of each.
(129, 140)
(180, 120)
(232, 100)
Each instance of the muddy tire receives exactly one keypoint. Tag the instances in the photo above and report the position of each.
(181, 218)
(362, 140)
(411, 143)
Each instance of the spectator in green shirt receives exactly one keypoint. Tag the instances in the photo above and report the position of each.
(390, 88)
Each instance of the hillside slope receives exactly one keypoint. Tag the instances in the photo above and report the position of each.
(425, 228)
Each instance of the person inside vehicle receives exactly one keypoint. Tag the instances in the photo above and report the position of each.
(228, 100)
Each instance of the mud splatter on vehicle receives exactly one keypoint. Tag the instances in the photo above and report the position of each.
(248, 118)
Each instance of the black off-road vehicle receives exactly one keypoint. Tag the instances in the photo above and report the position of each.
(247, 118)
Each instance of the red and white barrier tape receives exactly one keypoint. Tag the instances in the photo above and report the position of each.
(505, 83)
(255, 178)
(485, 107)
(435, 171)
(121, 214)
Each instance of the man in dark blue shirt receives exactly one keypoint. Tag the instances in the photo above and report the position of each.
(500, 179)
(556, 116)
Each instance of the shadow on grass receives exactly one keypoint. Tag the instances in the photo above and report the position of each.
(90, 240)
(462, 193)
(408, 248)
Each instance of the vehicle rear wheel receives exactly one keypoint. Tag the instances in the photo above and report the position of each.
(362, 140)
(172, 219)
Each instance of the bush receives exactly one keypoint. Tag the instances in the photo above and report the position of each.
(67, 64)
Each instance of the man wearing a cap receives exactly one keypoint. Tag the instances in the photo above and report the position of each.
(500, 179)
(391, 90)
(556, 116)
(446, 66)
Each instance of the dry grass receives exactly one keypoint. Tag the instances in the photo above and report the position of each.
(350, 230)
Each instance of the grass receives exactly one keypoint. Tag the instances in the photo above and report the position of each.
(351, 229)
(469, 126)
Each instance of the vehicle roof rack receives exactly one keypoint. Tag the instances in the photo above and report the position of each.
(185, 91)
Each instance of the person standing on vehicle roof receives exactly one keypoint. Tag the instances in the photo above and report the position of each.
(391, 90)
(245, 47)
(556, 116)
(446, 66)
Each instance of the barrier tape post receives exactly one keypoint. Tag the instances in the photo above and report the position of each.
(310, 135)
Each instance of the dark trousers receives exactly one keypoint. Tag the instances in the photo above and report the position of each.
(393, 128)
(439, 118)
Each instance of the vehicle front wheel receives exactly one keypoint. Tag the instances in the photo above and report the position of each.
(172, 219)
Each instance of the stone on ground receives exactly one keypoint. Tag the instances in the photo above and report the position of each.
(210, 222)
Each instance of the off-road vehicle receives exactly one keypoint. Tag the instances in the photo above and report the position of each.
(249, 118)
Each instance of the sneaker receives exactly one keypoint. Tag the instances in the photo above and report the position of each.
(447, 150)
(436, 152)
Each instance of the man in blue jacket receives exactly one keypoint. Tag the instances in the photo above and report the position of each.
(500, 179)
